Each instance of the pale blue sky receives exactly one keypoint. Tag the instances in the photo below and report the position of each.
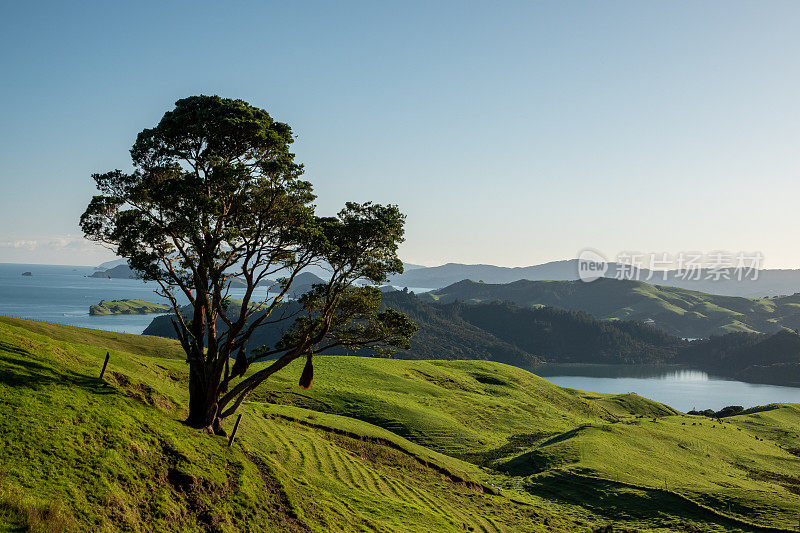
(510, 133)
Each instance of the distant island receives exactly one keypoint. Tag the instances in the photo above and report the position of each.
(127, 307)
(119, 271)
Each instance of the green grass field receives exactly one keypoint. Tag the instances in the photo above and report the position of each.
(375, 444)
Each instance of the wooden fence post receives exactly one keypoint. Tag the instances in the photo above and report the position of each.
(105, 363)
(235, 427)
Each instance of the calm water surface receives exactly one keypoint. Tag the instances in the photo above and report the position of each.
(63, 294)
(680, 387)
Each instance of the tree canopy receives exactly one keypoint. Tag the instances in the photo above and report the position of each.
(216, 195)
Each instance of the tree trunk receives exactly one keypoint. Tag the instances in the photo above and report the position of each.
(203, 408)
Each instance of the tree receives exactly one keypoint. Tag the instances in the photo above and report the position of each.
(215, 197)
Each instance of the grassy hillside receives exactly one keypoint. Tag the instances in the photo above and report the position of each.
(375, 444)
(680, 312)
(85, 455)
(539, 434)
(127, 307)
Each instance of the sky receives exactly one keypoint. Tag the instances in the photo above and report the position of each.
(509, 133)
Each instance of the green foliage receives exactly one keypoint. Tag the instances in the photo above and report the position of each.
(523, 337)
(357, 321)
(496, 331)
(749, 357)
(572, 336)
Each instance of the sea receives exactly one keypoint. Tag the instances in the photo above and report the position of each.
(63, 294)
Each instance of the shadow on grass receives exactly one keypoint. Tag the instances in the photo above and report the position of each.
(515, 444)
(26, 371)
(616, 501)
(526, 464)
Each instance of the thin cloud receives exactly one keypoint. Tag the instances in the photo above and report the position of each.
(54, 249)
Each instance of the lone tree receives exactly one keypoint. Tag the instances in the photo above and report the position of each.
(216, 199)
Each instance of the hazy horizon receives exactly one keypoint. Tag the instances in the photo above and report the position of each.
(611, 260)
(510, 135)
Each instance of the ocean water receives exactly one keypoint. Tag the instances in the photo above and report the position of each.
(63, 294)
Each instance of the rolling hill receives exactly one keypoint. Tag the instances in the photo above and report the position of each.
(375, 444)
(680, 312)
(545, 334)
(559, 336)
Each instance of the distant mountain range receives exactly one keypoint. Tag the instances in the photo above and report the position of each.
(119, 268)
(680, 312)
(768, 282)
(302, 283)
